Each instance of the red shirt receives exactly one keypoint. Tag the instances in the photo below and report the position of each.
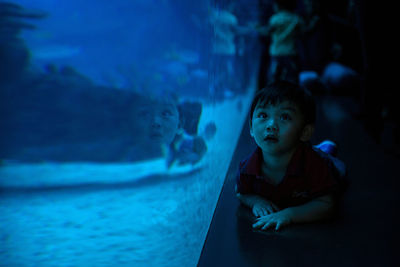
(308, 175)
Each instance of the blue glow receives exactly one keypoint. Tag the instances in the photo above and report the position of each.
(121, 121)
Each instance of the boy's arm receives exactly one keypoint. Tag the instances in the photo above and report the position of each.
(314, 210)
(246, 199)
(259, 205)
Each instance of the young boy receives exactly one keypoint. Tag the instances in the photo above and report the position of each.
(285, 180)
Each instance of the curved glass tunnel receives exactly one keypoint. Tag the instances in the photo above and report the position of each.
(119, 121)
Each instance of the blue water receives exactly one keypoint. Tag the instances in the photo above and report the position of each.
(108, 41)
(119, 125)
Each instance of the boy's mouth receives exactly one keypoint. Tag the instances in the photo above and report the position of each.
(155, 134)
(271, 138)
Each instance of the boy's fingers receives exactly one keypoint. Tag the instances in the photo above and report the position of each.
(260, 212)
(257, 224)
(269, 210)
(255, 212)
(278, 226)
(265, 212)
(267, 225)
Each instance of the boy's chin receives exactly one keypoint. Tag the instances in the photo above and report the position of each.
(269, 144)
(275, 150)
(156, 140)
(269, 148)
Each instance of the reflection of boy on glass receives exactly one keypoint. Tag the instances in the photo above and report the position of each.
(286, 180)
(157, 122)
(154, 124)
(158, 131)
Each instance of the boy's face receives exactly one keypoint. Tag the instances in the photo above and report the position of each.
(157, 122)
(278, 129)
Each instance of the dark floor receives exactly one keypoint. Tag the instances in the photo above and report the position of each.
(364, 234)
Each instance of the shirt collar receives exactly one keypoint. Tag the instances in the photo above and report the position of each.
(295, 167)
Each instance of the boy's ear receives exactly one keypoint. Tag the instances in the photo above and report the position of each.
(307, 133)
(251, 131)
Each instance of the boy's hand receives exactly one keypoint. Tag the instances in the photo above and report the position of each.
(277, 220)
(263, 207)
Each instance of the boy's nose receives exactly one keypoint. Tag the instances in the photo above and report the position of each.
(271, 125)
(156, 121)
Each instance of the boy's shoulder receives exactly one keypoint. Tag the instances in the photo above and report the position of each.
(251, 162)
(316, 160)
(311, 156)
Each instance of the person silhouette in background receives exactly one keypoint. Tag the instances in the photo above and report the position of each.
(284, 29)
(228, 49)
(224, 27)
(330, 54)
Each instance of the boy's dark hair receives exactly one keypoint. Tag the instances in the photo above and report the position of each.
(289, 5)
(280, 91)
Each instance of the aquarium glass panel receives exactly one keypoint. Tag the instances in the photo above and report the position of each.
(118, 123)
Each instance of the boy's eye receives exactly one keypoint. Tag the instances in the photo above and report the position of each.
(167, 113)
(285, 117)
(261, 115)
